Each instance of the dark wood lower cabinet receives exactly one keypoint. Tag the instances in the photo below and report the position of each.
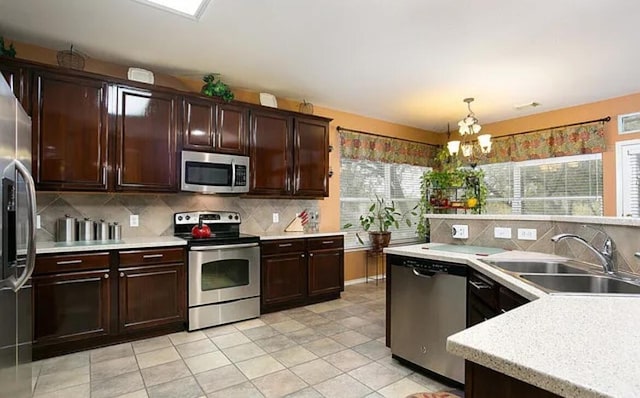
(326, 272)
(284, 280)
(481, 382)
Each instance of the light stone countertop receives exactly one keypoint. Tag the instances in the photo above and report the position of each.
(297, 235)
(127, 243)
(622, 221)
(572, 345)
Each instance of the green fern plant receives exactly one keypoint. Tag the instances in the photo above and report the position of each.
(216, 88)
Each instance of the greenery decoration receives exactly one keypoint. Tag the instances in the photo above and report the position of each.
(381, 216)
(216, 88)
(8, 52)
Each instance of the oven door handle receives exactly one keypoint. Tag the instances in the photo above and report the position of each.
(222, 247)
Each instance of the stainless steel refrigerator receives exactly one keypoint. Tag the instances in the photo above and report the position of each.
(18, 250)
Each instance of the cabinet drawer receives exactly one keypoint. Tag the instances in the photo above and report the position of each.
(327, 242)
(151, 256)
(283, 246)
(70, 262)
(484, 289)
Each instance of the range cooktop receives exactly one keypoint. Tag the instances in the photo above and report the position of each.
(224, 225)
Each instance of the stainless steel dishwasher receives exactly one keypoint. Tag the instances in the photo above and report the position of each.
(428, 304)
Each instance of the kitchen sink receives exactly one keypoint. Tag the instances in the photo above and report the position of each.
(536, 267)
(582, 283)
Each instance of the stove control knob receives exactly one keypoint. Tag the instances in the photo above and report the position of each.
(237, 217)
(230, 217)
(187, 218)
(179, 218)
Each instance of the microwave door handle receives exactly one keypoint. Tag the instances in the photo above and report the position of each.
(233, 173)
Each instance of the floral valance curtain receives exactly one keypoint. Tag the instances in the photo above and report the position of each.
(550, 143)
(383, 149)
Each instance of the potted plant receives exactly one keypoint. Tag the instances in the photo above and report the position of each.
(377, 221)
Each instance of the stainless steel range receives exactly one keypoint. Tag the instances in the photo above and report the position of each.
(224, 269)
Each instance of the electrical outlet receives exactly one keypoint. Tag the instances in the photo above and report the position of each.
(38, 224)
(276, 218)
(134, 220)
(527, 234)
(460, 231)
(502, 233)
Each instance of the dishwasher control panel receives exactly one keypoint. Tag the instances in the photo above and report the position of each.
(430, 265)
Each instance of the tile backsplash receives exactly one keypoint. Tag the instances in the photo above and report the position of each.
(481, 233)
(156, 211)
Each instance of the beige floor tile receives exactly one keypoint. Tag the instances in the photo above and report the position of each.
(260, 366)
(279, 384)
(186, 337)
(243, 352)
(230, 340)
(347, 360)
(428, 383)
(112, 352)
(308, 392)
(261, 332)
(249, 324)
(373, 350)
(113, 367)
(80, 391)
(244, 390)
(66, 362)
(157, 357)
(394, 364)
(350, 338)
(316, 371)
(136, 394)
(152, 344)
(275, 343)
(220, 378)
(219, 330)
(288, 326)
(274, 317)
(305, 335)
(330, 329)
(374, 395)
(183, 388)
(294, 356)
(343, 386)
(165, 373)
(64, 379)
(196, 348)
(354, 322)
(205, 362)
(115, 386)
(376, 376)
(324, 346)
(401, 388)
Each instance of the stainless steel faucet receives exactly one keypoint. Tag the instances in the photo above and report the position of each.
(605, 255)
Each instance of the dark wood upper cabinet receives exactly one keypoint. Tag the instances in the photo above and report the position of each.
(70, 133)
(311, 158)
(270, 159)
(214, 127)
(146, 136)
(18, 79)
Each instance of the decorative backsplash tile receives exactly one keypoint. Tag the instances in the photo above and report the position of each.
(156, 211)
(481, 233)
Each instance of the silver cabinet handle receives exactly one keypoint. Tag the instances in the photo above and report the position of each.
(122, 275)
(420, 274)
(119, 176)
(222, 247)
(302, 255)
(106, 276)
(233, 173)
(104, 174)
(285, 244)
(147, 256)
(479, 285)
(68, 262)
(310, 254)
(327, 242)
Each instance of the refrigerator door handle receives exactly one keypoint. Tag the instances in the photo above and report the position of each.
(16, 284)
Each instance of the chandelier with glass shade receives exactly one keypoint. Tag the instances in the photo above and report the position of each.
(471, 144)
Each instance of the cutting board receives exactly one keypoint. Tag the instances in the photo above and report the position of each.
(462, 249)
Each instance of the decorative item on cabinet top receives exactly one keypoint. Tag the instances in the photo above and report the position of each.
(267, 99)
(213, 88)
(71, 58)
(305, 107)
(7, 52)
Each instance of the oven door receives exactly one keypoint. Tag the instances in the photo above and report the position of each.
(223, 273)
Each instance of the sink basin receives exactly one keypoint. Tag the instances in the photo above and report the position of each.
(582, 283)
(536, 267)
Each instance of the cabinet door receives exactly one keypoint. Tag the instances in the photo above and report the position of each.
(18, 79)
(284, 280)
(70, 133)
(270, 136)
(311, 158)
(71, 306)
(231, 129)
(151, 296)
(146, 141)
(326, 270)
(198, 124)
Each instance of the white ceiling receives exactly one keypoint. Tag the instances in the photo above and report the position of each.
(406, 61)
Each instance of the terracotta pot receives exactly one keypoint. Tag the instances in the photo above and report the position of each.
(379, 240)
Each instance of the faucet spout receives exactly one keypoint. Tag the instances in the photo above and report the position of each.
(605, 255)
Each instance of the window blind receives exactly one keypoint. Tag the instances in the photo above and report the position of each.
(629, 189)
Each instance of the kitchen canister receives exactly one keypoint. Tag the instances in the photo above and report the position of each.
(102, 230)
(115, 231)
(86, 229)
(66, 229)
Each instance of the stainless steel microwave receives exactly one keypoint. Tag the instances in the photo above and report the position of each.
(214, 173)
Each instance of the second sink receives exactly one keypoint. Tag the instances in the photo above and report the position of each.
(536, 267)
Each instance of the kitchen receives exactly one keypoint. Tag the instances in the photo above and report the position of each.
(269, 213)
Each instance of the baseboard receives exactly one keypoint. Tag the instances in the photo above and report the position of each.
(363, 280)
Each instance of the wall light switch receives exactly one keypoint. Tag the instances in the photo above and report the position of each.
(38, 224)
(276, 217)
(134, 220)
(460, 231)
(527, 234)
(502, 233)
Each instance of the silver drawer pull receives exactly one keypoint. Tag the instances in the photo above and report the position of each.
(153, 256)
(106, 276)
(122, 275)
(69, 262)
(503, 310)
(479, 285)
(327, 242)
(285, 244)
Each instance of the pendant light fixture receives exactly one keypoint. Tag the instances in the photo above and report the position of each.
(469, 128)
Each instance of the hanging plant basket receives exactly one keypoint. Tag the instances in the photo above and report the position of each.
(71, 59)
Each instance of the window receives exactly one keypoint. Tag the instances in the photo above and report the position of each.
(628, 178)
(570, 185)
(361, 180)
